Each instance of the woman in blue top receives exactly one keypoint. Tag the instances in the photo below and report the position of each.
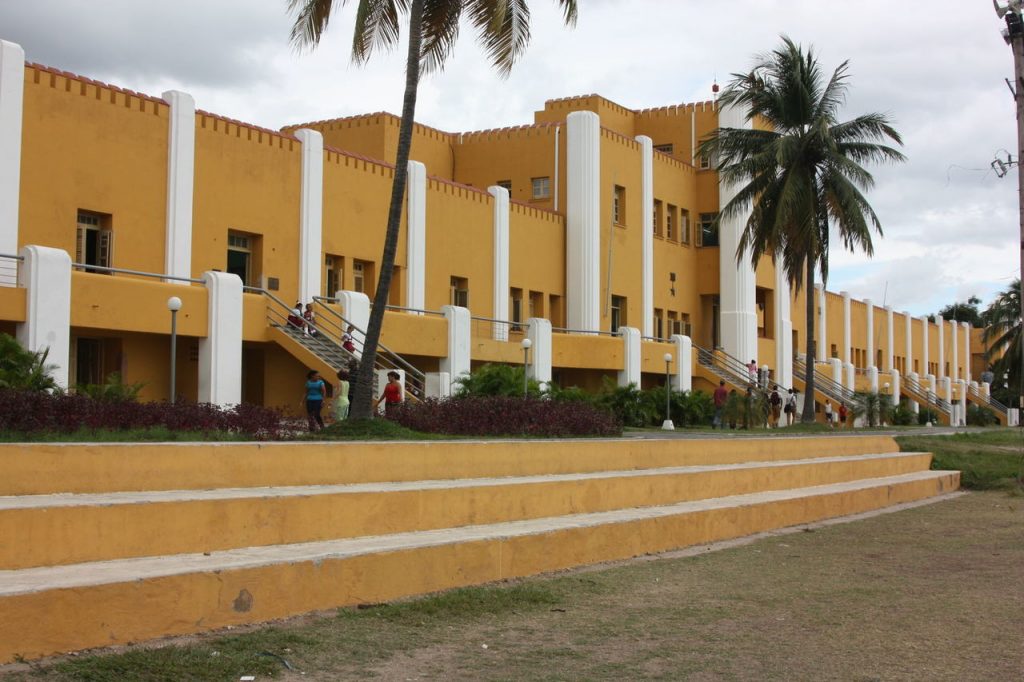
(315, 392)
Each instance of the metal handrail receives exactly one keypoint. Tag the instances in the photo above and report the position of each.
(930, 397)
(599, 332)
(400, 308)
(7, 255)
(655, 339)
(138, 273)
(825, 384)
(992, 402)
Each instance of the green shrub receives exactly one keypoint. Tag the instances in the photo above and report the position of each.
(925, 416)
(495, 379)
(630, 405)
(112, 390)
(24, 370)
(748, 411)
(902, 415)
(875, 408)
(980, 416)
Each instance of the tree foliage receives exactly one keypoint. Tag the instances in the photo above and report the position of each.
(22, 369)
(969, 311)
(1002, 339)
(799, 170)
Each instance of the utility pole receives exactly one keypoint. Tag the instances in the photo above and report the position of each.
(1014, 36)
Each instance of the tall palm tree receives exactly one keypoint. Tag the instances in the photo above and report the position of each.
(801, 177)
(1002, 335)
(504, 31)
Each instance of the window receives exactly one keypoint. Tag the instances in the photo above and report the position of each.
(95, 240)
(240, 257)
(516, 309)
(334, 270)
(659, 326)
(708, 229)
(684, 325)
(657, 217)
(670, 223)
(619, 205)
(541, 188)
(705, 162)
(835, 351)
(663, 148)
(673, 322)
(460, 292)
(618, 312)
(362, 276)
(507, 184)
(684, 226)
(536, 305)
(555, 310)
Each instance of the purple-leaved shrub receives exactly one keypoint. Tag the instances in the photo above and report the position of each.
(507, 416)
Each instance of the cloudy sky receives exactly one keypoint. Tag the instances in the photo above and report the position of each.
(936, 68)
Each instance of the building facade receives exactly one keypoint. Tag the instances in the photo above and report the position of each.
(589, 231)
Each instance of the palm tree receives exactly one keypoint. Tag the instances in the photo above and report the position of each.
(801, 177)
(1002, 335)
(504, 31)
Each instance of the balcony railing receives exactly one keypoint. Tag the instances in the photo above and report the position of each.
(9, 265)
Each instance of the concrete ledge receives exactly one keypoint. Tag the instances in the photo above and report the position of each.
(56, 609)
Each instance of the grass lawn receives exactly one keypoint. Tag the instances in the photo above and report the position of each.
(930, 593)
(988, 460)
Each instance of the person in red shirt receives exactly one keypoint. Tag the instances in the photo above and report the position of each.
(842, 415)
(392, 395)
(720, 396)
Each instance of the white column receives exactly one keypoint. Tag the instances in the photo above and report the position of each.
(942, 346)
(220, 353)
(457, 362)
(630, 373)
(501, 258)
(945, 389)
(45, 274)
(962, 388)
(647, 233)
(822, 353)
(924, 346)
(954, 365)
(311, 211)
(837, 370)
(847, 333)
(181, 166)
(684, 362)
(967, 350)
(873, 379)
(583, 221)
(737, 313)
(12, 90)
(889, 352)
(916, 378)
(355, 306)
(851, 376)
(783, 329)
(908, 334)
(539, 332)
(895, 386)
(869, 345)
(438, 384)
(416, 236)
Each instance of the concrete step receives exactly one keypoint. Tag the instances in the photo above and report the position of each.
(114, 467)
(56, 609)
(102, 526)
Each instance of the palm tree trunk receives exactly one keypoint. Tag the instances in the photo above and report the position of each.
(362, 406)
(807, 416)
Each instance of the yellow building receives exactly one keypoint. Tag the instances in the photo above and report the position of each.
(588, 231)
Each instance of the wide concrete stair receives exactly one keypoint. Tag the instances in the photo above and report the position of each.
(108, 544)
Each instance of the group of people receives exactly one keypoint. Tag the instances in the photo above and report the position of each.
(304, 319)
(777, 405)
(317, 392)
(832, 418)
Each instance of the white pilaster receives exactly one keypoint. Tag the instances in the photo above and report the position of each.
(967, 350)
(962, 392)
(45, 274)
(416, 236)
(821, 333)
(941, 361)
(873, 379)
(954, 365)
(539, 333)
(945, 389)
(783, 330)
(837, 370)
(583, 221)
(889, 352)
(311, 211)
(896, 393)
(181, 167)
(737, 313)
(925, 340)
(12, 89)
(457, 362)
(501, 258)
(869, 343)
(220, 353)
(647, 234)
(630, 373)
(438, 384)
(355, 307)
(850, 376)
(915, 377)
(684, 362)
(847, 333)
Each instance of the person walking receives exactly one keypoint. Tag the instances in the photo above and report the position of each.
(752, 371)
(341, 402)
(828, 413)
(776, 405)
(842, 415)
(720, 396)
(392, 394)
(316, 390)
(790, 407)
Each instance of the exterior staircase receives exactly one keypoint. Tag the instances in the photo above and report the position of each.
(121, 543)
(825, 388)
(927, 399)
(975, 396)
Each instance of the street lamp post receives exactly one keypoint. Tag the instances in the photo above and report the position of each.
(526, 344)
(1014, 36)
(174, 305)
(667, 425)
